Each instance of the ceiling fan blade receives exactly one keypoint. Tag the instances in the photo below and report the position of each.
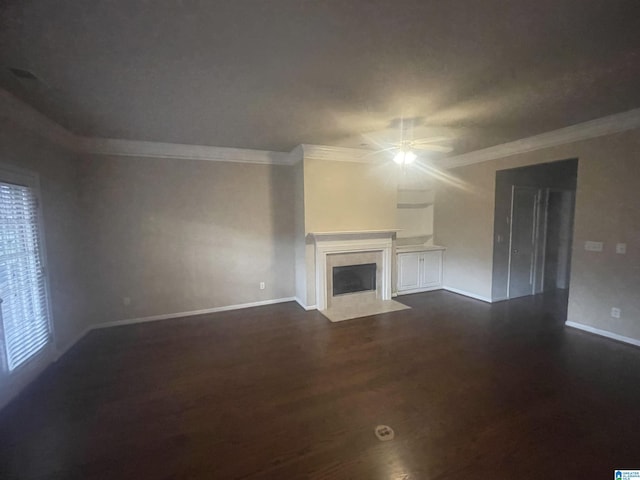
(433, 148)
(422, 141)
(376, 152)
(377, 141)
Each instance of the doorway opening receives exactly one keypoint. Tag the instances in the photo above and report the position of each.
(540, 237)
(533, 229)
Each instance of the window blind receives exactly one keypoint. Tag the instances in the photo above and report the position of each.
(24, 311)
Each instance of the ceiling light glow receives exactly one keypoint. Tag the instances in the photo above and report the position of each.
(405, 157)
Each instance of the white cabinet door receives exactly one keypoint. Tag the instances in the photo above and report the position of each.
(409, 271)
(431, 269)
(419, 271)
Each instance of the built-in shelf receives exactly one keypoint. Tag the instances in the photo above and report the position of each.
(414, 210)
(418, 248)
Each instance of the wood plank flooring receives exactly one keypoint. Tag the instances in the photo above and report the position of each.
(472, 391)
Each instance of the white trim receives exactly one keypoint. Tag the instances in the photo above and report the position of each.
(353, 234)
(498, 299)
(340, 154)
(131, 148)
(31, 179)
(418, 290)
(168, 316)
(31, 119)
(296, 155)
(33, 369)
(467, 294)
(61, 351)
(307, 308)
(603, 333)
(608, 125)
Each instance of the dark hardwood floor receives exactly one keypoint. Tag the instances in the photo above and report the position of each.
(472, 391)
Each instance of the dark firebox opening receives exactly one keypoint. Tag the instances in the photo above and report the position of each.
(354, 278)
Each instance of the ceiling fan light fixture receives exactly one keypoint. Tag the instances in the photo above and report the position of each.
(405, 157)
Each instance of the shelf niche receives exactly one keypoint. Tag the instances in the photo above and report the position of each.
(414, 214)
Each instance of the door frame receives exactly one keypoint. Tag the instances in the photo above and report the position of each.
(572, 209)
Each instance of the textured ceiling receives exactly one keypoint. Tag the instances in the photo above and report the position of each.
(273, 74)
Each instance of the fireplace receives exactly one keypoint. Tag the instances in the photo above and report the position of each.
(352, 268)
(354, 278)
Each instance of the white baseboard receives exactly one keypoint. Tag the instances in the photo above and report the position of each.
(306, 307)
(603, 333)
(499, 299)
(417, 290)
(13, 390)
(467, 294)
(168, 316)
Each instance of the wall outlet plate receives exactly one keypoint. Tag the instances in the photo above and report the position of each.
(621, 248)
(590, 246)
(615, 312)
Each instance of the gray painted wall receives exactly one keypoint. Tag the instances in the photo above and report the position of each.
(184, 235)
(607, 200)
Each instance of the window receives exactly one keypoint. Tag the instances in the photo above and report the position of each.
(24, 312)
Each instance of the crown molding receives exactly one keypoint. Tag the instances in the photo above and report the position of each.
(18, 112)
(611, 124)
(338, 154)
(132, 148)
(296, 155)
(22, 114)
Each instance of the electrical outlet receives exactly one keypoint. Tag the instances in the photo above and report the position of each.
(261, 285)
(615, 312)
(593, 246)
(621, 248)
(126, 301)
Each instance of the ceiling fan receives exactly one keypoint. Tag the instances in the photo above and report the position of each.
(407, 149)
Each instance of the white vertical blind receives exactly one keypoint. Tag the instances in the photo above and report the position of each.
(24, 312)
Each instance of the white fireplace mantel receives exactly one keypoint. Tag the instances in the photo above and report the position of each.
(328, 243)
(352, 234)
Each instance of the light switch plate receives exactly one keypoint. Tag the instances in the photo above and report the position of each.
(593, 246)
(621, 248)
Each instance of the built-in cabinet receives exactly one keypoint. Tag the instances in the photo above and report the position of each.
(418, 261)
(420, 270)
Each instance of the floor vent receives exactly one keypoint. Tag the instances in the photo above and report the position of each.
(384, 433)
